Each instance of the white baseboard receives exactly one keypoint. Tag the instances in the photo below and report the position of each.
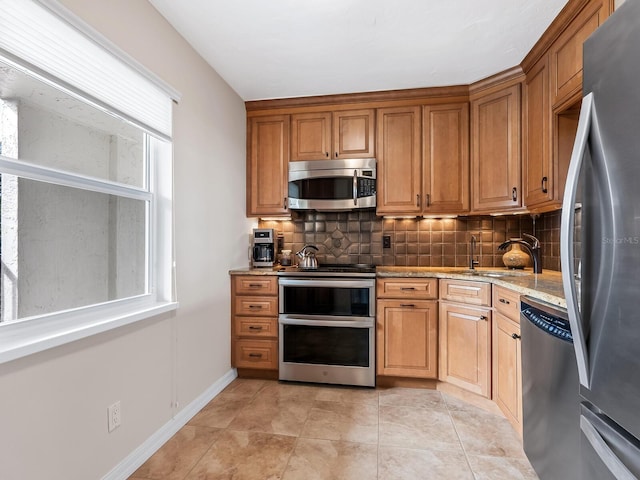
(135, 459)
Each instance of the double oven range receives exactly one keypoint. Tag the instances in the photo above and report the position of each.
(327, 325)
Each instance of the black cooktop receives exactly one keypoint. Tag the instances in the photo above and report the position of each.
(337, 269)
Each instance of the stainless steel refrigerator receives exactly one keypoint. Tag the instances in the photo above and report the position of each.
(600, 249)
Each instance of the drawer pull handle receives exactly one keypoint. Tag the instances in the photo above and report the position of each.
(407, 305)
(515, 336)
(463, 316)
(255, 327)
(507, 302)
(407, 288)
(255, 355)
(255, 285)
(255, 307)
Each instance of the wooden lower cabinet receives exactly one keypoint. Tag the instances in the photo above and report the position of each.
(507, 369)
(407, 337)
(254, 322)
(407, 327)
(507, 356)
(465, 347)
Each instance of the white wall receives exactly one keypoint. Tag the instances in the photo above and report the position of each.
(53, 404)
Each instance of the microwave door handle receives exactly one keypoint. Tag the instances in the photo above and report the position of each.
(355, 187)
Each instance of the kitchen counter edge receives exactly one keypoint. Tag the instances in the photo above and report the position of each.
(546, 286)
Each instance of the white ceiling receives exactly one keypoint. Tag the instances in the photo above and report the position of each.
(290, 48)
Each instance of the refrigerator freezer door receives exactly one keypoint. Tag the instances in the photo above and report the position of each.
(608, 452)
(610, 229)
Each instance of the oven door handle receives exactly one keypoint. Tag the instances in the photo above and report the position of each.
(327, 282)
(289, 320)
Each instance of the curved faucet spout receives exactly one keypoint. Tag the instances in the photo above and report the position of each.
(534, 250)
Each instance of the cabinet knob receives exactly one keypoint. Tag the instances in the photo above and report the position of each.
(502, 300)
(514, 194)
(326, 154)
(483, 317)
(336, 154)
(515, 336)
(544, 184)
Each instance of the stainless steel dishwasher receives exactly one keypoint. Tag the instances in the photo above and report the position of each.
(550, 391)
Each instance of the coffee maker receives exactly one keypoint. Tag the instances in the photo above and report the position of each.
(263, 249)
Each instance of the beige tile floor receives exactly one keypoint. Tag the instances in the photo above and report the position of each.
(266, 430)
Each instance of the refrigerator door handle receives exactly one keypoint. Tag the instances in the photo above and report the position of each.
(567, 234)
(608, 457)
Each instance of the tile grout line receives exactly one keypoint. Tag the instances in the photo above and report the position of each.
(464, 449)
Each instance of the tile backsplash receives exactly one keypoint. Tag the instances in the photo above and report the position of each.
(356, 237)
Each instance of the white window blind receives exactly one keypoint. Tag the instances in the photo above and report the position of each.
(31, 32)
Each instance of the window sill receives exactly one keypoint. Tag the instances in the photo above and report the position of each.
(25, 337)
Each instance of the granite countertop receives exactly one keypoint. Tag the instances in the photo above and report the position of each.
(546, 286)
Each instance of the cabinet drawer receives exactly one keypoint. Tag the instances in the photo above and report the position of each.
(256, 285)
(408, 288)
(256, 354)
(255, 326)
(472, 293)
(256, 306)
(507, 302)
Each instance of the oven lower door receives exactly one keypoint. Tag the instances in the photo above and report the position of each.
(337, 350)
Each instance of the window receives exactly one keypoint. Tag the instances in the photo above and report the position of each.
(85, 185)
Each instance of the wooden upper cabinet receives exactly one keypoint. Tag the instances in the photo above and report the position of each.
(340, 134)
(565, 54)
(354, 134)
(399, 161)
(311, 136)
(445, 166)
(538, 172)
(268, 158)
(495, 151)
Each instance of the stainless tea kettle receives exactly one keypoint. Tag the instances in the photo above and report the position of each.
(308, 259)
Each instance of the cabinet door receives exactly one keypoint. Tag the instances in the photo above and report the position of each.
(566, 52)
(538, 166)
(407, 336)
(353, 134)
(399, 161)
(507, 369)
(495, 160)
(268, 158)
(445, 166)
(311, 136)
(465, 346)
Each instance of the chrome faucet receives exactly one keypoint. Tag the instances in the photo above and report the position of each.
(472, 246)
(534, 250)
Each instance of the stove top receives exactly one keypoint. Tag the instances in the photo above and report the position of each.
(330, 269)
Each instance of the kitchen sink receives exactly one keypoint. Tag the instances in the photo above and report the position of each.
(491, 273)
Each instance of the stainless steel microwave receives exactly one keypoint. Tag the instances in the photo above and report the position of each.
(332, 185)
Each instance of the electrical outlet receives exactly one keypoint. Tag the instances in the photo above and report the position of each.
(114, 416)
(386, 241)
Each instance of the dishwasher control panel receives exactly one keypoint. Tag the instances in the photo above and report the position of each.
(556, 326)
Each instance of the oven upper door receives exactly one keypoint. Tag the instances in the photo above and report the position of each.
(332, 184)
(328, 297)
